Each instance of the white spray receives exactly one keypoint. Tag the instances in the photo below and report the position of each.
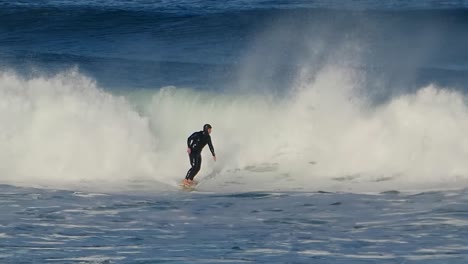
(63, 131)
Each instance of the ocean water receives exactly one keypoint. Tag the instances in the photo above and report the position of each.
(53, 226)
(339, 127)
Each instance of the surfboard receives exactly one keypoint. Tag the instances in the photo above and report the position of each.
(186, 187)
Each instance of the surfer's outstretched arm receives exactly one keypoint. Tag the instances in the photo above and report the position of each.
(210, 144)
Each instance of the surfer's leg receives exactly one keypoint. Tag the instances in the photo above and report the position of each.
(196, 165)
(192, 164)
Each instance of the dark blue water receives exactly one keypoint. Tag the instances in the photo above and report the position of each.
(209, 43)
(40, 226)
(340, 129)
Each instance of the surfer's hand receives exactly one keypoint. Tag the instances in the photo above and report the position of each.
(214, 158)
(189, 150)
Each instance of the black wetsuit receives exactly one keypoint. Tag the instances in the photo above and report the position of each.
(196, 142)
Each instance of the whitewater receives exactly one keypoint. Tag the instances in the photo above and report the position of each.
(64, 130)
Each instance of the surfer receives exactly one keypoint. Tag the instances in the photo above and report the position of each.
(195, 144)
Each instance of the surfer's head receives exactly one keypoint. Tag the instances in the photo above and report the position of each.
(207, 128)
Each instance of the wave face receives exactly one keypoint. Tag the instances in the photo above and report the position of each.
(303, 95)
